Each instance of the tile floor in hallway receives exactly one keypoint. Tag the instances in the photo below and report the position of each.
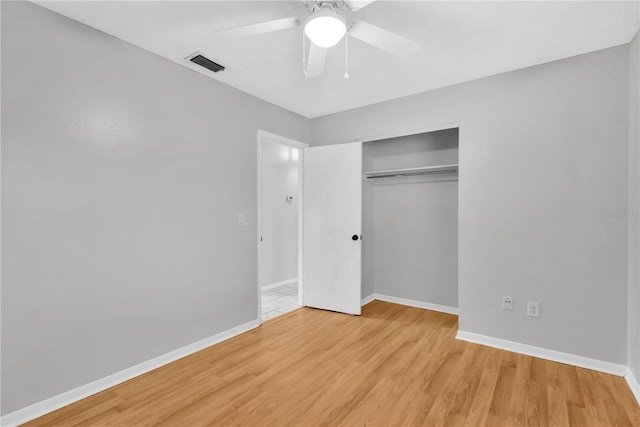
(279, 300)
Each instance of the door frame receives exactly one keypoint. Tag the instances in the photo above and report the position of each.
(412, 131)
(262, 135)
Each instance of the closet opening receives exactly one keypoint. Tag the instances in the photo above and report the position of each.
(279, 224)
(410, 220)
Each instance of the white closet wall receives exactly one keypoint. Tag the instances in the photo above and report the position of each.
(410, 246)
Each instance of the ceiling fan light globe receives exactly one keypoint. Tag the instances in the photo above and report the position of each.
(325, 31)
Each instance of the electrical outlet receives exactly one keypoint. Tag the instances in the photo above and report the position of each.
(533, 309)
(507, 303)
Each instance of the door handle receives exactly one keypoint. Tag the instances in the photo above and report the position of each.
(354, 237)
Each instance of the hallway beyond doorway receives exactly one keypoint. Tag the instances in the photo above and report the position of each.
(280, 300)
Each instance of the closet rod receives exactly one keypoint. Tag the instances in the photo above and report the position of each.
(440, 172)
(429, 170)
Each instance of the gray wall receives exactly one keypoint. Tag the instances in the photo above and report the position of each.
(122, 178)
(411, 250)
(279, 228)
(633, 212)
(543, 160)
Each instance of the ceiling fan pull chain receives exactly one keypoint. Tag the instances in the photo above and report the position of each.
(346, 56)
(304, 56)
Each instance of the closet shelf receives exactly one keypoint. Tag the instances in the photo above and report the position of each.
(440, 173)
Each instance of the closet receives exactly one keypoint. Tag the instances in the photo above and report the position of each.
(410, 219)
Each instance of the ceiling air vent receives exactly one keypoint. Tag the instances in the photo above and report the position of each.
(207, 63)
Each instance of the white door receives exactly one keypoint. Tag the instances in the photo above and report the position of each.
(332, 221)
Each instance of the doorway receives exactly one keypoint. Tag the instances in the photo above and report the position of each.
(410, 217)
(279, 225)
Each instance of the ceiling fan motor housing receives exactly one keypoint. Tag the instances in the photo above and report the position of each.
(336, 5)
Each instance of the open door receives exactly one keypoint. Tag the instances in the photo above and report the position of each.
(332, 221)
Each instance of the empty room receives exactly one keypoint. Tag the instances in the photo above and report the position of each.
(300, 213)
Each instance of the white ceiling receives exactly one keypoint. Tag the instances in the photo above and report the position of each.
(461, 41)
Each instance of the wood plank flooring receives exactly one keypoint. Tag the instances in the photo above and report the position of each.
(392, 366)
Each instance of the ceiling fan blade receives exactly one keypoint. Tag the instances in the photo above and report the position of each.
(383, 39)
(315, 61)
(260, 28)
(357, 4)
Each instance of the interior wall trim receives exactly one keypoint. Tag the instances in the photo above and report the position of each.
(278, 284)
(544, 353)
(411, 303)
(412, 131)
(633, 384)
(366, 300)
(56, 402)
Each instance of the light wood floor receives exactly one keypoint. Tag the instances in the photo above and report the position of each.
(392, 366)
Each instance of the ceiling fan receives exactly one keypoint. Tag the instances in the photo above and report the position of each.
(325, 27)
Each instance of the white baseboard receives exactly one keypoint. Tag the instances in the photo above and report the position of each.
(410, 303)
(543, 353)
(56, 402)
(632, 381)
(367, 300)
(417, 304)
(278, 284)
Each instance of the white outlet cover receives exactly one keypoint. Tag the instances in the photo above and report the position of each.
(533, 309)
